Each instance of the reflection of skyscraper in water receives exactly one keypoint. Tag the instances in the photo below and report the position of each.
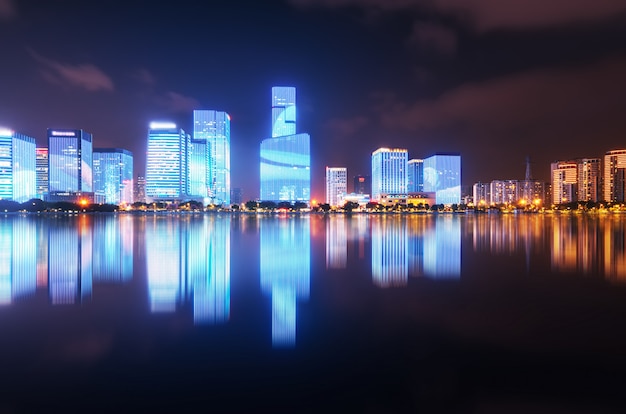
(18, 271)
(336, 242)
(164, 264)
(614, 249)
(390, 266)
(113, 248)
(285, 271)
(190, 259)
(442, 248)
(209, 270)
(69, 259)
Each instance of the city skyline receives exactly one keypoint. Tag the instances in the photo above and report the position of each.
(492, 82)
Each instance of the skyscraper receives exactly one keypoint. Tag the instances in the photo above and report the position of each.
(442, 175)
(336, 185)
(416, 176)
(589, 179)
(70, 157)
(213, 127)
(113, 175)
(389, 172)
(283, 111)
(166, 162)
(286, 156)
(564, 175)
(17, 166)
(41, 172)
(615, 176)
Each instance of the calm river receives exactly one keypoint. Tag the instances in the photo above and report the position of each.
(218, 312)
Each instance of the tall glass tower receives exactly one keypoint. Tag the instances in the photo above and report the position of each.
(283, 111)
(416, 176)
(389, 172)
(213, 127)
(442, 176)
(41, 172)
(113, 175)
(70, 157)
(17, 166)
(166, 162)
(286, 156)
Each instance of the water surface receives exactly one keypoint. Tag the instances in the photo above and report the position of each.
(313, 313)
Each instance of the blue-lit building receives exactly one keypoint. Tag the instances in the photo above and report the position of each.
(166, 163)
(283, 111)
(17, 166)
(286, 156)
(70, 158)
(442, 176)
(416, 176)
(213, 128)
(41, 173)
(113, 176)
(389, 172)
(199, 169)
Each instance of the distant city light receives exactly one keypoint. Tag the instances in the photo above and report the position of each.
(63, 133)
(162, 125)
(6, 132)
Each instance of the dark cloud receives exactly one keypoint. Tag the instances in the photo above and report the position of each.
(84, 76)
(178, 103)
(346, 128)
(485, 15)
(144, 76)
(7, 10)
(435, 37)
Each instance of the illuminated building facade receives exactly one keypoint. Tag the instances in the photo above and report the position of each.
(336, 185)
(70, 171)
(482, 194)
(564, 175)
(362, 184)
(166, 163)
(139, 193)
(415, 169)
(213, 127)
(589, 179)
(199, 169)
(283, 111)
(389, 172)
(17, 166)
(113, 175)
(442, 176)
(503, 192)
(41, 173)
(615, 176)
(285, 157)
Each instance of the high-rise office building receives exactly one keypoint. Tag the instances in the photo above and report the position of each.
(166, 163)
(70, 160)
(41, 173)
(362, 184)
(199, 168)
(139, 193)
(615, 176)
(589, 179)
(213, 127)
(389, 172)
(113, 175)
(482, 194)
(442, 175)
(17, 166)
(336, 185)
(416, 176)
(286, 156)
(283, 111)
(564, 180)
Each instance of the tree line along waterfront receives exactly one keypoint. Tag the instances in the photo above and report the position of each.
(40, 206)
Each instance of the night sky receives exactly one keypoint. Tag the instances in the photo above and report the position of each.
(493, 80)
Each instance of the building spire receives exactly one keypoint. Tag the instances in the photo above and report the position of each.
(529, 176)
